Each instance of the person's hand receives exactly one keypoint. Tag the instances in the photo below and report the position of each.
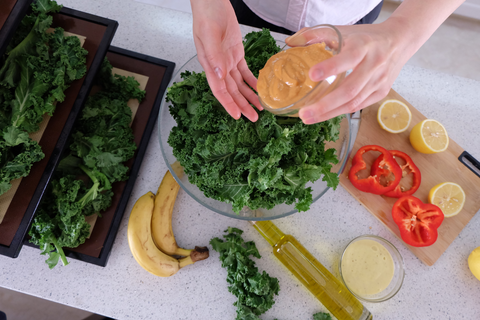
(374, 53)
(218, 40)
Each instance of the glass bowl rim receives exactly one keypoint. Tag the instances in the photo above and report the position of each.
(340, 46)
(400, 260)
(238, 217)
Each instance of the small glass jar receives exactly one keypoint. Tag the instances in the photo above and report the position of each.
(332, 38)
(398, 273)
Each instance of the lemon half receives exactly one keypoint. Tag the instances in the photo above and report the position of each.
(449, 196)
(394, 116)
(429, 136)
(474, 262)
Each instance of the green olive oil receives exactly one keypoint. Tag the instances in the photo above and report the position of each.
(330, 291)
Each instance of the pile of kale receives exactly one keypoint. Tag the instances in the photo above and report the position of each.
(101, 142)
(37, 68)
(254, 164)
(255, 291)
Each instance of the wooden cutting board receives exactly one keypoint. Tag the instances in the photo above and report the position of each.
(435, 168)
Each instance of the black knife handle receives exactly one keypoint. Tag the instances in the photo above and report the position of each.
(470, 162)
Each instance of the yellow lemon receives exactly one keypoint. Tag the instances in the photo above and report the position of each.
(449, 196)
(394, 116)
(474, 262)
(429, 136)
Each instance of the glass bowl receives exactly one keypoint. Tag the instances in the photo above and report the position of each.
(332, 38)
(398, 275)
(165, 125)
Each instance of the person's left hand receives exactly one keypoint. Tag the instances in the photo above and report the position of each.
(374, 53)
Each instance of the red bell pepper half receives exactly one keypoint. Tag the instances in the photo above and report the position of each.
(418, 222)
(373, 183)
(397, 192)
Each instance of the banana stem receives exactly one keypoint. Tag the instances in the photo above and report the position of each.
(185, 261)
(183, 252)
(197, 254)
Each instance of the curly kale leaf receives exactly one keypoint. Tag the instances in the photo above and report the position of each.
(259, 47)
(322, 316)
(60, 222)
(102, 138)
(61, 218)
(34, 73)
(255, 291)
(46, 6)
(44, 78)
(101, 142)
(10, 71)
(42, 233)
(116, 86)
(18, 153)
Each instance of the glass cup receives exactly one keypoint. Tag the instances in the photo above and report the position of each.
(332, 38)
(398, 275)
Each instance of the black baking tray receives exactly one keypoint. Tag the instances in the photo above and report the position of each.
(11, 13)
(99, 33)
(97, 248)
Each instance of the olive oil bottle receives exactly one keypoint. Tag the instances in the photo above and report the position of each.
(330, 291)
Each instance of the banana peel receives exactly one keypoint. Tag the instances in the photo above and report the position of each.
(162, 231)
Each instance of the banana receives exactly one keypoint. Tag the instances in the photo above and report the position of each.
(162, 231)
(143, 248)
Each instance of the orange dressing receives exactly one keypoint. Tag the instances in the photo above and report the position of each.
(284, 80)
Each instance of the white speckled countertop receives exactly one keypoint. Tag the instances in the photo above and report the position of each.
(123, 290)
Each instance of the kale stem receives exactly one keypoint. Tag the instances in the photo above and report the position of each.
(89, 173)
(59, 250)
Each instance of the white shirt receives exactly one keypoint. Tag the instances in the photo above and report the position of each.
(296, 14)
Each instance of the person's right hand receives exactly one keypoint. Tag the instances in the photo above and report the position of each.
(220, 51)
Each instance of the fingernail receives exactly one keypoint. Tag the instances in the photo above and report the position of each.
(295, 40)
(219, 73)
(305, 113)
(317, 75)
(307, 116)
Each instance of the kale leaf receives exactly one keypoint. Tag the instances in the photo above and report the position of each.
(34, 73)
(258, 165)
(322, 316)
(254, 290)
(18, 153)
(101, 142)
(259, 47)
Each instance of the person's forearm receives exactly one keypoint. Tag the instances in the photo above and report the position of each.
(417, 20)
(201, 4)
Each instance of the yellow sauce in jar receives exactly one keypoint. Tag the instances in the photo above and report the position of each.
(284, 79)
(367, 267)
